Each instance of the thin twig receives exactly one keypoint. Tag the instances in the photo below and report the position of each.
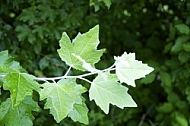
(85, 80)
(78, 76)
(68, 71)
(1, 76)
(63, 77)
(144, 115)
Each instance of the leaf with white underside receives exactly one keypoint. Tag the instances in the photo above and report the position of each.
(84, 45)
(105, 90)
(79, 113)
(86, 65)
(20, 86)
(128, 69)
(61, 97)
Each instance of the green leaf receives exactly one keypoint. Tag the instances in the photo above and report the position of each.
(173, 97)
(61, 97)
(107, 2)
(7, 64)
(178, 46)
(106, 90)
(28, 15)
(181, 119)
(166, 79)
(183, 57)
(165, 108)
(149, 78)
(184, 29)
(47, 12)
(18, 116)
(4, 57)
(1, 83)
(79, 113)
(20, 85)
(25, 33)
(186, 47)
(172, 32)
(44, 62)
(128, 69)
(84, 45)
(97, 3)
(4, 70)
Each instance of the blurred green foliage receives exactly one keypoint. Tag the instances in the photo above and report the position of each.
(157, 31)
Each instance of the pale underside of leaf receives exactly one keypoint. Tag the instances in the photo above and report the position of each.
(86, 65)
(79, 113)
(106, 90)
(61, 97)
(128, 69)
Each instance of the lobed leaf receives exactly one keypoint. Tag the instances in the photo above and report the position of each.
(106, 90)
(128, 69)
(7, 64)
(20, 86)
(18, 116)
(84, 45)
(61, 97)
(79, 113)
(28, 15)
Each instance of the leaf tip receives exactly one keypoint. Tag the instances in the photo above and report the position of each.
(97, 26)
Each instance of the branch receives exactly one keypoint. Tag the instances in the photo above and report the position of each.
(68, 71)
(85, 80)
(78, 76)
(45, 79)
(1, 76)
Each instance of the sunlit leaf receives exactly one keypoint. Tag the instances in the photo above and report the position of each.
(84, 45)
(86, 65)
(79, 113)
(128, 69)
(105, 90)
(61, 97)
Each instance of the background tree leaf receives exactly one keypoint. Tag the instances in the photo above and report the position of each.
(183, 28)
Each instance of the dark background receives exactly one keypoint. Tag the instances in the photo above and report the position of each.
(156, 30)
